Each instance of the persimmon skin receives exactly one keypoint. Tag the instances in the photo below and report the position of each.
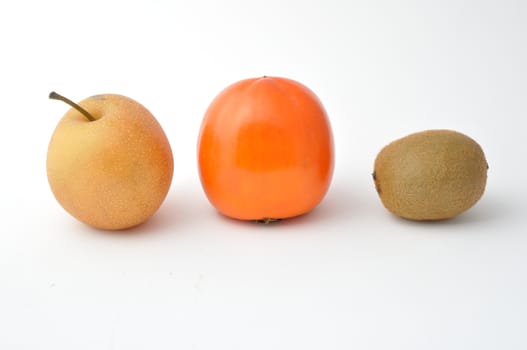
(265, 150)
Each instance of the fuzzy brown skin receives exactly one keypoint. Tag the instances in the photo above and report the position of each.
(430, 175)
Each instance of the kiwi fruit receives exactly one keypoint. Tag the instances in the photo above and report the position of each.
(430, 175)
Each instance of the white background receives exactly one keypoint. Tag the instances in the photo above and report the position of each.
(347, 276)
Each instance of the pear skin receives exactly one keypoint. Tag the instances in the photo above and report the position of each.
(113, 172)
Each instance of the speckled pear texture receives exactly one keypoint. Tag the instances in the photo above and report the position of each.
(112, 173)
(430, 175)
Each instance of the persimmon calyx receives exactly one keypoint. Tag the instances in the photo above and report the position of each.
(266, 221)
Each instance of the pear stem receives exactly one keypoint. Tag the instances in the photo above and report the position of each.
(54, 96)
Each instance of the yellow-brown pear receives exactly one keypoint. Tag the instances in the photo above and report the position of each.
(430, 175)
(109, 163)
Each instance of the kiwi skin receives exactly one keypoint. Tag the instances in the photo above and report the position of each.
(430, 175)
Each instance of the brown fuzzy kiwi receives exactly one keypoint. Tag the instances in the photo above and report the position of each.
(430, 175)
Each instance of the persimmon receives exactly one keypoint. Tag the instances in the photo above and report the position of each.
(265, 150)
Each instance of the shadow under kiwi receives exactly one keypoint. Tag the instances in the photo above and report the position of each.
(488, 210)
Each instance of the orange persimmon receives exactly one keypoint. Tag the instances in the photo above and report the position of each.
(265, 150)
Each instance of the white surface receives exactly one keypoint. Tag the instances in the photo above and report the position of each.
(347, 276)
